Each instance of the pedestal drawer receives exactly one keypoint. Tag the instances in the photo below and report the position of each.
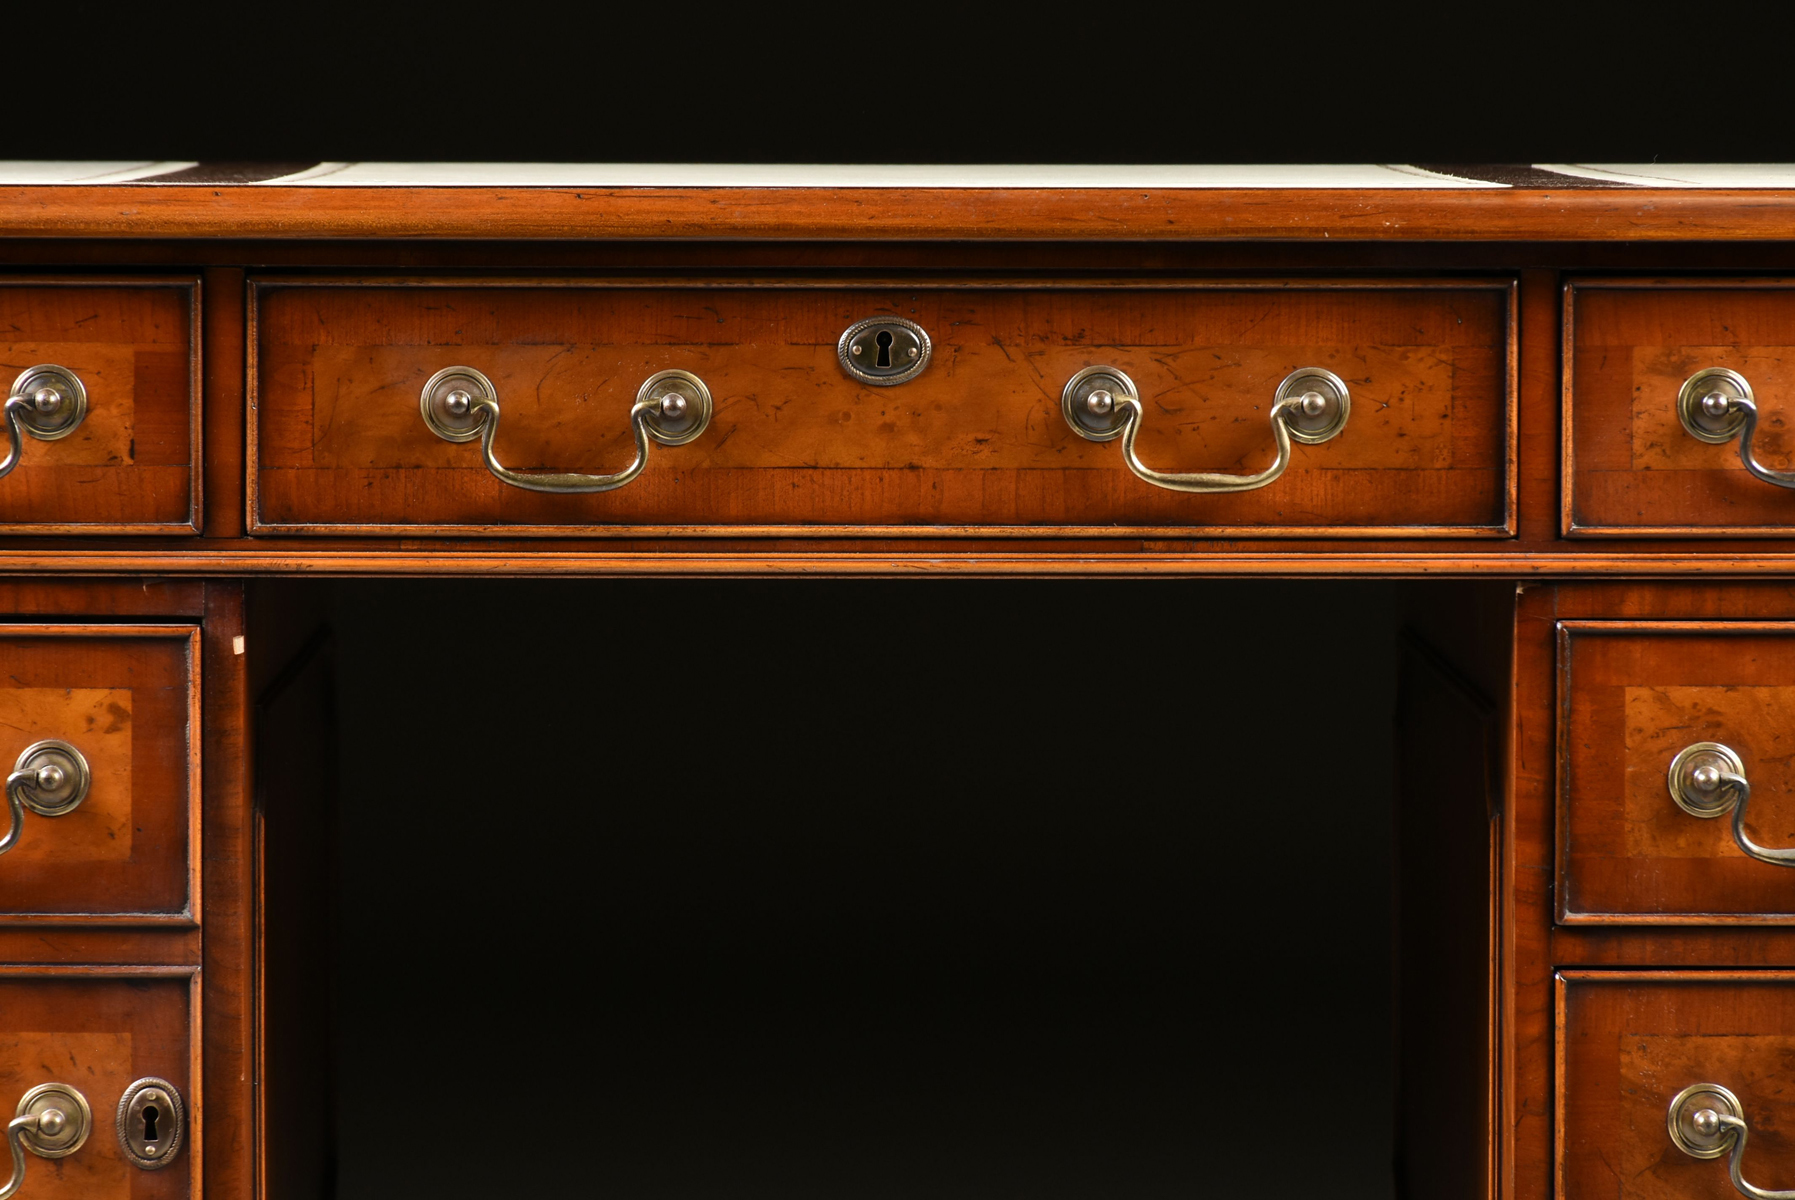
(1636, 1047)
(80, 1038)
(1403, 390)
(1658, 441)
(99, 734)
(103, 406)
(1668, 731)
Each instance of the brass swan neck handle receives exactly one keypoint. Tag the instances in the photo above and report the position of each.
(460, 404)
(1311, 406)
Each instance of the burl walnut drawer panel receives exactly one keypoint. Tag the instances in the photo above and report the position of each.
(98, 1030)
(1630, 1043)
(131, 463)
(1646, 703)
(976, 441)
(124, 699)
(1632, 464)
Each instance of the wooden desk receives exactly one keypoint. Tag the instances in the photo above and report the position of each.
(1529, 381)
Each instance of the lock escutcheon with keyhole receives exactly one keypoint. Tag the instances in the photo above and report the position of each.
(884, 351)
(152, 1122)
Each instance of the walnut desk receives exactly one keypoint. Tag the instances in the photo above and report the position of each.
(1563, 390)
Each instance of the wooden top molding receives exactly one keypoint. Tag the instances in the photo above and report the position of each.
(1560, 202)
(199, 560)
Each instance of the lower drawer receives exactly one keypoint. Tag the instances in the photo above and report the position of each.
(96, 1031)
(1632, 1043)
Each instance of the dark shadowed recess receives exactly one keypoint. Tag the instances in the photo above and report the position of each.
(731, 889)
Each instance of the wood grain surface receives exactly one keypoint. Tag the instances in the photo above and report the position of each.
(99, 1029)
(1653, 215)
(133, 464)
(126, 697)
(228, 846)
(1633, 695)
(976, 440)
(1629, 1042)
(1631, 467)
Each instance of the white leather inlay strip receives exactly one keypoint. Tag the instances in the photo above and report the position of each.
(783, 175)
(798, 175)
(1682, 175)
(29, 173)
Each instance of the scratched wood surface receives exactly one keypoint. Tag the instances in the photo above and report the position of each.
(1632, 698)
(131, 466)
(976, 440)
(126, 703)
(1629, 1042)
(1634, 467)
(99, 1033)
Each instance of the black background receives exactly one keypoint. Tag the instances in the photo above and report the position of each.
(1464, 83)
(717, 890)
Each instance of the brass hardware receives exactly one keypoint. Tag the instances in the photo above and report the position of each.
(883, 351)
(1707, 1121)
(152, 1120)
(50, 778)
(48, 402)
(460, 404)
(52, 1121)
(1716, 405)
(1708, 780)
(1311, 405)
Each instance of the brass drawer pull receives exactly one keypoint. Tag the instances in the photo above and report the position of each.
(1311, 405)
(48, 402)
(50, 779)
(1708, 780)
(460, 404)
(52, 1121)
(1706, 1121)
(1716, 406)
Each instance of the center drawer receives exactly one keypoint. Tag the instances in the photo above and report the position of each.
(980, 440)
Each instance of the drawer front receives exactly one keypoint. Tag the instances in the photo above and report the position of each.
(125, 698)
(976, 442)
(1634, 696)
(98, 1030)
(1630, 1042)
(1632, 465)
(131, 465)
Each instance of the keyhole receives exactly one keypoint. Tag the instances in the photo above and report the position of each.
(151, 1114)
(884, 340)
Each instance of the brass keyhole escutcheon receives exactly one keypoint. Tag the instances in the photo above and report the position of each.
(884, 351)
(152, 1123)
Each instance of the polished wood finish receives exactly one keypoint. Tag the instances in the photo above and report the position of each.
(1632, 694)
(99, 1029)
(1639, 559)
(1653, 215)
(1630, 1041)
(133, 465)
(977, 441)
(228, 841)
(1630, 467)
(1535, 945)
(127, 697)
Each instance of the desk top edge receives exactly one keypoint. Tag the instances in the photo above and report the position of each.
(471, 201)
